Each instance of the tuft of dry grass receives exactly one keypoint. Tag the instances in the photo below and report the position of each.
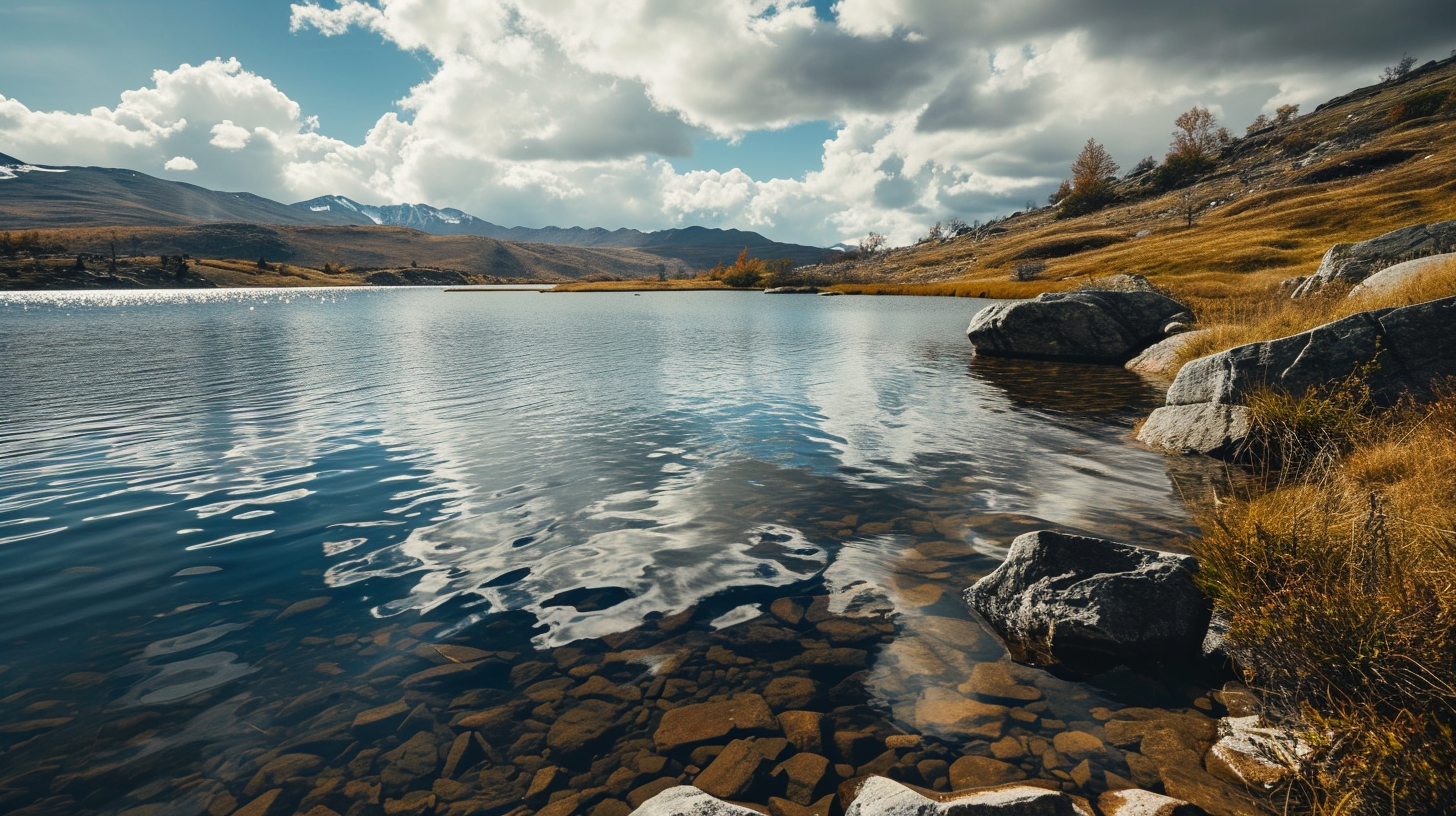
(1340, 579)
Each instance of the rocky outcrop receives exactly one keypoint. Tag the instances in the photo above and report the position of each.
(1082, 326)
(1393, 278)
(792, 290)
(1399, 352)
(1353, 263)
(1089, 602)
(416, 277)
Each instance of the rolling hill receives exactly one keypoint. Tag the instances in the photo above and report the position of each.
(51, 197)
(361, 249)
(700, 247)
(34, 197)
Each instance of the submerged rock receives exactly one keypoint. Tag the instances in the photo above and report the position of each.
(1399, 352)
(1161, 358)
(1353, 263)
(1074, 600)
(1081, 326)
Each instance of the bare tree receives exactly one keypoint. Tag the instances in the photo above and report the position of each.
(1400, 70)
(1284, 114)
(1188, 206)
(871, 244)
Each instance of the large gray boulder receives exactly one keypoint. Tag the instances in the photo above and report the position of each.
(1401, 352)
(1089, 602)
(1353, 263)
(1081, 326)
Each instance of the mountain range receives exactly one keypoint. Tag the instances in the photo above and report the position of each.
(33, 197)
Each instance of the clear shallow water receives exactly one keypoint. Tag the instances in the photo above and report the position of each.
(176, 469)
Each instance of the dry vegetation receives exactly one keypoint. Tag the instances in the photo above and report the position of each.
(1259, 219)
(1340, 579)
(364, 249)
(1235, 322)
(689, 285)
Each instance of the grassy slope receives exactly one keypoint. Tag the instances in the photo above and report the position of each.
(368, 248)
(1259, 223)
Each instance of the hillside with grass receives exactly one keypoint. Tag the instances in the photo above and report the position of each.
(229, 255)
(1266, 209)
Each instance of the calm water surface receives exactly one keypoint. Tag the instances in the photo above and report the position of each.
(216, 505)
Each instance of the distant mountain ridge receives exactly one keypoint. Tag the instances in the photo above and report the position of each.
(33, 197)
(39, 197)
(700, 246)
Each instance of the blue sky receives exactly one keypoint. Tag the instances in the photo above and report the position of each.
(813, 122)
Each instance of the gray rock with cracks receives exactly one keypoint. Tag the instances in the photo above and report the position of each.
(1082, 326)
(1089, 602)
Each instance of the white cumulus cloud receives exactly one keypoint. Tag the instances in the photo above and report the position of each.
(180, 164)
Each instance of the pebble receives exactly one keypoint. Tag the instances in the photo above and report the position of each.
(785, 693)
(787, 611)
(732, 771)
(979, 772)
(705, 722)
(804, 730)
(304, 606)
(994, 681)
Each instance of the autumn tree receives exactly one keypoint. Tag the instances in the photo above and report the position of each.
(1284, 114)
(1195, 135)
(1197, 138)
(1093, 172)
(744, 272)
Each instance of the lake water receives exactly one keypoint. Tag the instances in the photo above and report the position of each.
(230, 522)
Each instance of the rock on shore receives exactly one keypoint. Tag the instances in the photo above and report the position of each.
(1081, 326)
(1400, 352)
(1353, 263)
(1074, 600)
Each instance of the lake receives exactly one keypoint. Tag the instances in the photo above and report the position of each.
(349, 547)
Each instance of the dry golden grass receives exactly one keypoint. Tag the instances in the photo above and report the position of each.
(247, 274)
(1235, 322)
(689, 285)
(1341, 584)
(1001, 289)
(1260, 221)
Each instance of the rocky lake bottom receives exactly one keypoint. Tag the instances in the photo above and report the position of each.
(410, 553)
